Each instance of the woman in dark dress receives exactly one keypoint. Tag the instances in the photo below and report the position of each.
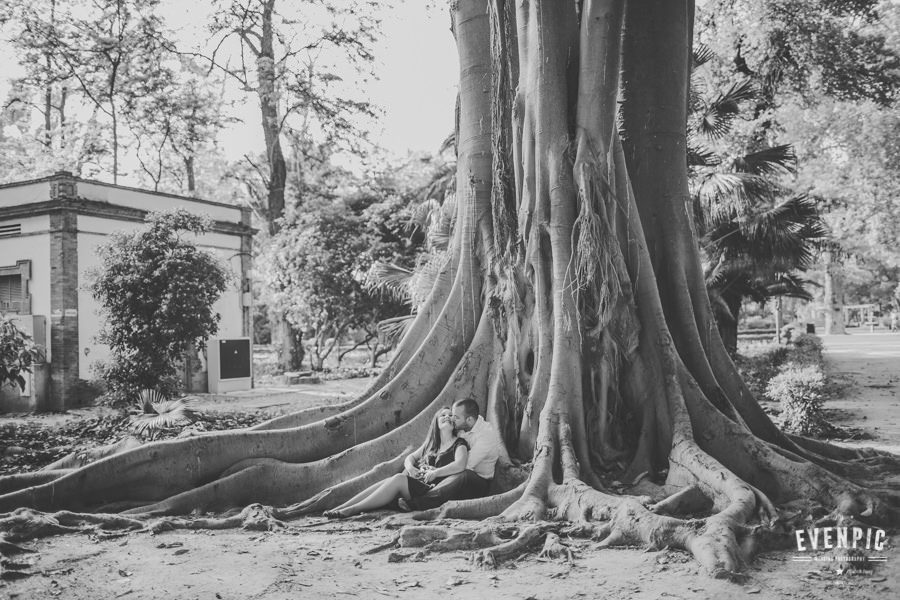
(443, 454)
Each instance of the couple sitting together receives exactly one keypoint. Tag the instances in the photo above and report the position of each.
(456, 462)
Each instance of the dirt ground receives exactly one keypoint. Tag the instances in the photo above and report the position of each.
(317, 558)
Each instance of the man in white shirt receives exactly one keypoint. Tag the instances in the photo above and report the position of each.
(485, 447)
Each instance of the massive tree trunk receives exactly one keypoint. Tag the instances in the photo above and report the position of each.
(573, 308)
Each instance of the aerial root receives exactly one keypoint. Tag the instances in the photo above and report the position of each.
(25, 524)
(20, 481)
(491, 542)
(529, 537)
(554, 549)
(689, 500)
(254, 517)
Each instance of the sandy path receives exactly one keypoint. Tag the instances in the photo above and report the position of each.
(869, 366)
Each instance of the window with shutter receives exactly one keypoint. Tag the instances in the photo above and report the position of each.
(10, 293)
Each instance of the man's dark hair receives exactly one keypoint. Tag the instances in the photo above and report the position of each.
(469, 406)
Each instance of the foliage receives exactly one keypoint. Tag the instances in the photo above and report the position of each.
(17, 353)
(842, 50)
(157, 291)
(175, 124)
(43, 444)
(799, 390)
(108, 52)
(159, 414)
(315, 268)
(759, 363)
(828, 76)
(756, 236)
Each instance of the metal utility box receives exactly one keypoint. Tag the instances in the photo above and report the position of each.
(229, 364)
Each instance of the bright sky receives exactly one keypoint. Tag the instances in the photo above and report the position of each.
(416, 66)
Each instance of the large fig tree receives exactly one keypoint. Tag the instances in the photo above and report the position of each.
(572, 307)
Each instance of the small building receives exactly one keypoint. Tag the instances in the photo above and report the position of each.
(50, 229)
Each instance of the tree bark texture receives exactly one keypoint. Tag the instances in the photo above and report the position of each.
(572, 308)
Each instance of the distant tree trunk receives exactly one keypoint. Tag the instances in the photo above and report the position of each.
(728, 328)
(115, 140)
(61, 110)
(48, 89)
(189, 172)
(779, 318)
(271, 120)
(271, 124)
(833, 299)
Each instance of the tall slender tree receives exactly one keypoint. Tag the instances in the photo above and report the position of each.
(287, 57)
(572, 307)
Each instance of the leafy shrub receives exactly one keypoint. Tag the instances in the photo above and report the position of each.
(759, 363)
(799, 390)
(157, 291)
(17, 353)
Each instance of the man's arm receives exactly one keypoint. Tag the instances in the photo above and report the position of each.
(410, 463)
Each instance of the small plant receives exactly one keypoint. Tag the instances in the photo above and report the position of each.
(17, 353)
(799, 390)
(158, 414)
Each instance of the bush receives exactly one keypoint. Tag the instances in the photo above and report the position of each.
(799, 391)
(759, 363)
(157, 291)
(17, 353)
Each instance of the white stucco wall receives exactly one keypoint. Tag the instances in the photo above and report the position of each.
(143, 200)
(29, 193)
(94, 231)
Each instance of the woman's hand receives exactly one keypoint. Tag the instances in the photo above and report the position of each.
(413, 472)
(429, 475)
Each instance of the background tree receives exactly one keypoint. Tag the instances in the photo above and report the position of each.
(317, 264)
(176, 124)
(572, 304)
(157, 291)
(288, 56)
(814, 63)
(756, 238)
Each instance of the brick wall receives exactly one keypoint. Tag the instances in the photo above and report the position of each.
(64, 346)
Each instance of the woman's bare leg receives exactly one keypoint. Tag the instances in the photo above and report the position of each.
(359, 497)
(384, 495)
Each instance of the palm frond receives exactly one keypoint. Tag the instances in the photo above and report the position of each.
(700, 55)
(777, 160)
(421, 215)
(699, 155)
(425, 275)
(737, 92)
(716, 118)
(389, 278)
(449, 143)
(392, 330)
(159, 413)
(720, 192)
(441, 228)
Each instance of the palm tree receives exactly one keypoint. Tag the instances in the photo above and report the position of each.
(756, 236)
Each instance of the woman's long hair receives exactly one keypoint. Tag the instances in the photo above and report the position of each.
(433, 437)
